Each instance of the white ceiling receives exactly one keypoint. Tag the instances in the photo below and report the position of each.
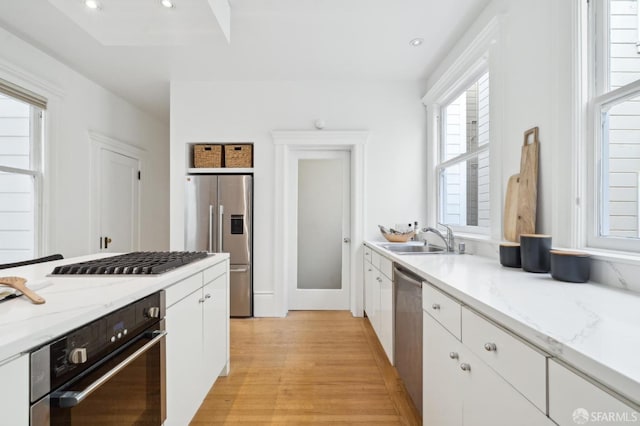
(135, 47)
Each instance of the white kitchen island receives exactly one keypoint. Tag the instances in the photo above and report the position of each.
(72, 301)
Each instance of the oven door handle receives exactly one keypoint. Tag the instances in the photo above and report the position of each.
(68, 399)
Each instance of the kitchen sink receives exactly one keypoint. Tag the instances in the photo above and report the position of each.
(401, 248)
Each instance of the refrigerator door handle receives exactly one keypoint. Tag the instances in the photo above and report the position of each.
(220, 215)
(210, 228)
(239, 270)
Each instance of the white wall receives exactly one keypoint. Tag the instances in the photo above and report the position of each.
(537, 82)
(249, 111)
(77, 105)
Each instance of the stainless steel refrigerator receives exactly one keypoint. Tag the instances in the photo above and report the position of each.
(219, 219)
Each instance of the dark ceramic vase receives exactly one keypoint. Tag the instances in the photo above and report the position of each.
(534, 252)
(510, 255)
(570, 266)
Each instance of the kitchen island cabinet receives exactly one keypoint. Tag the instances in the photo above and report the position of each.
(14, 391)
(197, 341)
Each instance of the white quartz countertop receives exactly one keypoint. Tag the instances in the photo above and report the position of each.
(592, 327)
(74, 300)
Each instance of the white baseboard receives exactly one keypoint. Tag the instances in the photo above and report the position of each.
(265, 305)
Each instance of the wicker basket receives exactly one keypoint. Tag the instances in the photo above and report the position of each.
(207, 156)
(238, 155)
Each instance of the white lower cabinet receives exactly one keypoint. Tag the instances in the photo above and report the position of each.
(197, 342)
(441, 378)
(378, 298)
(575, 400)
(14, 392)
(459, 388)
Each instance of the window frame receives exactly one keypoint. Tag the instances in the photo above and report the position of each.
(599, 99)
(479, 69)
(37, 126)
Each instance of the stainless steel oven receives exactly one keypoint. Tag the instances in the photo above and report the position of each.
(108, 372)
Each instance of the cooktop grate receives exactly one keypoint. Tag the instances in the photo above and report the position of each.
(135, 263)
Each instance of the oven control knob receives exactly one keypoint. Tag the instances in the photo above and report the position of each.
(153, 312)
(78, 356)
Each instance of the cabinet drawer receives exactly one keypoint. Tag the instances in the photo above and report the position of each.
(444, 309)
(183, 288)
(386, 267)
(572, 397)
(375, 259)
(215, 271)
(523, 366)
(367, 254)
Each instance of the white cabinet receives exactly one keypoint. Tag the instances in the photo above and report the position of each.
(441, 378)
(575, 400)
(386, 316)
(378, 297)
(14, 394)
(460, 386)
(197, 322)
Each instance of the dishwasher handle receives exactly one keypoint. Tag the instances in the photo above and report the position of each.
(406, 277)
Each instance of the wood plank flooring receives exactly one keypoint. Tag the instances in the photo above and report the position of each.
(313, 367)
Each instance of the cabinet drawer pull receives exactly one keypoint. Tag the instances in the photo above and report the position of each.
(435, 306)
(453, 355)
(465, 367)
(489, 347)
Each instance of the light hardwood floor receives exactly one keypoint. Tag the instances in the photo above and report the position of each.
(313, 367)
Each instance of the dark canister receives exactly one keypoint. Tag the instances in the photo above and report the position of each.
(534, 252)
(510, 255)
(570, 266)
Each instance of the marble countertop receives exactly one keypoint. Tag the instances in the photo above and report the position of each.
(75, 300)
(592, 327)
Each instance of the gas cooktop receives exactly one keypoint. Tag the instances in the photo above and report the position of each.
(135, 263)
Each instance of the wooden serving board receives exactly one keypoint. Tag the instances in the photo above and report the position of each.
(528, 187)
(510, 218)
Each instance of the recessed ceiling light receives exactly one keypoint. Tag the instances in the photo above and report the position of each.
(92, 4)
(167, 3)
(416, 42)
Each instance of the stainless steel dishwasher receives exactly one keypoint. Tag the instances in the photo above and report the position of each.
(407, 334)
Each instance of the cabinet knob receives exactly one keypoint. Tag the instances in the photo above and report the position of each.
(489, 347)
(435, 306)
(453, 355)
(465, 367)
(379, 279)
(78, 356)
(207, 296)
(201, 300)
(370, 269)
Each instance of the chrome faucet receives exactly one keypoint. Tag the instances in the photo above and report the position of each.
(448, 240)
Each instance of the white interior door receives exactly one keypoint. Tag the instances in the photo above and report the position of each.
(118, 192)
(320, 249)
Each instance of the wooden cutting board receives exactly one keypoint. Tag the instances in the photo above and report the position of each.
(510, 218)
(528, 186)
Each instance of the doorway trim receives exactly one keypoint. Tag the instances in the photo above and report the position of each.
(99, 142)
(286, 143)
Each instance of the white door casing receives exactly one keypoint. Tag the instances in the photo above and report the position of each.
(116, 195)
(320, 212)
(275, 303)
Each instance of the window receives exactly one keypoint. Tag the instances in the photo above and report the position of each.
(21, 117)
(615, 104)
(463, 166)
